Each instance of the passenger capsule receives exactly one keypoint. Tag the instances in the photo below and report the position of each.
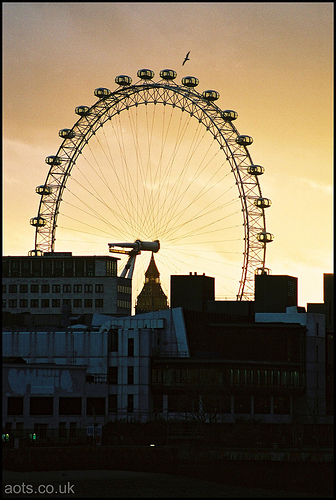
(145, 74)
(43, 190)
(123, 80)
(82, 110)
(255, 170)
(168, 74)
(263, 270)
(102, 92)
(190, 81)
(66, 133)
(35, 253)
(210, 95)
(244, 140)
(229, 115)
(53, 160)
(265, 237)
(37, 222)
(262, 202)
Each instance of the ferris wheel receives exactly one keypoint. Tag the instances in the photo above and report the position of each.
(158, 161)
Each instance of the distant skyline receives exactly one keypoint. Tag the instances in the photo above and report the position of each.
(271, 62)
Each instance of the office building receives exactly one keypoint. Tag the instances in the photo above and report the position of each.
(58, 288)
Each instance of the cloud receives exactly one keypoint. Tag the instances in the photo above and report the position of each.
(325, 188)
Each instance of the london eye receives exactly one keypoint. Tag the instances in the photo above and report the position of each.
(158, 161)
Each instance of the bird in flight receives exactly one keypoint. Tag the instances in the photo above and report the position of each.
(186, 58)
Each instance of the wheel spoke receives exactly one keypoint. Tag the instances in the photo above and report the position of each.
(158, 161)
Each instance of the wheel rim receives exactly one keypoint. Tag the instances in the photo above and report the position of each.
(128, 102)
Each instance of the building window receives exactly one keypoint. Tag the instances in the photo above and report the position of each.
(56, 303)
(284, 378)
(45, 288)
(4, 303)
(70, 406)
(5, 268)
(95, 406)
(90, 268)
(77, 288)
(290, 288)
(73, 429)
(23, 302)
(124, 289)
(41, 405)
(249, 377)
(111, 268)
(225, 404)
(19, 430)
(263, 378)
(77, 302)
(87, 302)
(12, 288)
(99, 303)
(25, 268)
(180, 376)
(14, 405)
(36, 268)
(62, 429)
(157, 403)
(44, 302)
(156, 376)
(56, 288)
(34, 289)
(12, 303)
(79, 268)
(88, 288)
(130, 347)
(124, 304)
(4, 288)
(68, 267)
(281, 405)
(113, 403)
(41, 430)
(262, 405)
(67, 302)
(236, 377)
(130, 375)
(15, 268)
(66, 288)
(242, 404)
(130, 403)
(34, 303)
(99, 288)
(23, 288)
(173, 403)
(113, 340)
(113, 375)
(47, 268)
(58, 268)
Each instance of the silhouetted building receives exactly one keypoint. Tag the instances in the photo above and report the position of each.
(274, 293)
(182, 365)
(327, 308)
(151, 297)
(191, 291)
(243, 308)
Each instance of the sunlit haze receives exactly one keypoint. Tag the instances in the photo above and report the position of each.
(270, 62)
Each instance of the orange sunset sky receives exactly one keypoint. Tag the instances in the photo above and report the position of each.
(271, 62)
